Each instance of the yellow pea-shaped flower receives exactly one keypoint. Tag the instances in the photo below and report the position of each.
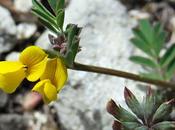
(47, 90)
(31, 64)
(56, 71)
(52, 80)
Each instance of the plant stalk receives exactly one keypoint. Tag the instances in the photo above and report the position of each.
(123, 74)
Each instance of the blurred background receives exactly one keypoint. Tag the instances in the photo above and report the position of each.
(107, 28)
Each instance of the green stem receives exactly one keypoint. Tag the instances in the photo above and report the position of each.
(118, 73)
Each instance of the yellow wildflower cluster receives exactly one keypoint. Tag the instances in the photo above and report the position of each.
(34, 64)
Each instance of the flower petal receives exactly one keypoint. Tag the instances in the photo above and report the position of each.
(50, 70)
(50, 92)
(34, 72)
(60, 75)
(55, 71)
(11, 75)
(35, 59)
(47, 90)
(32, 55)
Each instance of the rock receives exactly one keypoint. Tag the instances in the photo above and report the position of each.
(7, 24)
(7, 30)
(137, 14)
(43, 41)
(12, 122)
(23, 5)
(25, 30)
(3, 99)
(13, 56)
(105, 42)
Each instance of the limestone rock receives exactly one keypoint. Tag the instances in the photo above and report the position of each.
(23, 5)
(13, 56)
(43, 41)
(12, 122)
(3, 99)
(25, 30)
(7, 30)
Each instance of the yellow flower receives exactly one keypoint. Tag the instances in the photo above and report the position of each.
(52, 80)
(31, 64)
(47, 90)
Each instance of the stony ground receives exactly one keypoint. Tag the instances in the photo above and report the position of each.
(105, 42)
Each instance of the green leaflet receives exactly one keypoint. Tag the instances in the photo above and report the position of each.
(73, 43)
(56, 4)
(130, 125)
(60, 4)
(166, 125)
(133, 103)
(60, 18)
(147, 30)
(162, 112)
(140, 43)
(143, 61)
(37, 5)
(168, 56)
(170, 70)
(141, 128)
(49, 26)
(53, 4)
(124, 115)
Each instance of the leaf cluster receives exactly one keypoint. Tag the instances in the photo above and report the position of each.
(148, 115)
(66, 42)
(150, 39)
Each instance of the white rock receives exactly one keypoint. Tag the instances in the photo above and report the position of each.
(7, 30)
(13, 56)
(25, 30)
(23, 5)
(43, 41)
(7, 24)
(105, 42)
(137, 14)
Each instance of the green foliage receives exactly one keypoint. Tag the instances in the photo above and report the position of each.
(150, 39)
(72, 33)
(45, 16)
(66, 43)
(143, 61)
(147, 115)
(53, 23)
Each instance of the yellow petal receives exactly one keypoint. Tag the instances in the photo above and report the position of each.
(60, 75)
(35, 59)
(56, 71)
(47, 90)
(50, 70)
(11, 75)
(32, 55)
(34, 72)
(50, 92)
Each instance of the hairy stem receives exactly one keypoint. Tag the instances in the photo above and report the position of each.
(118, 73)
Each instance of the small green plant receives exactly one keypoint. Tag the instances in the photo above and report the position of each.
(150, 39)
(148, 115)
(65, 42)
